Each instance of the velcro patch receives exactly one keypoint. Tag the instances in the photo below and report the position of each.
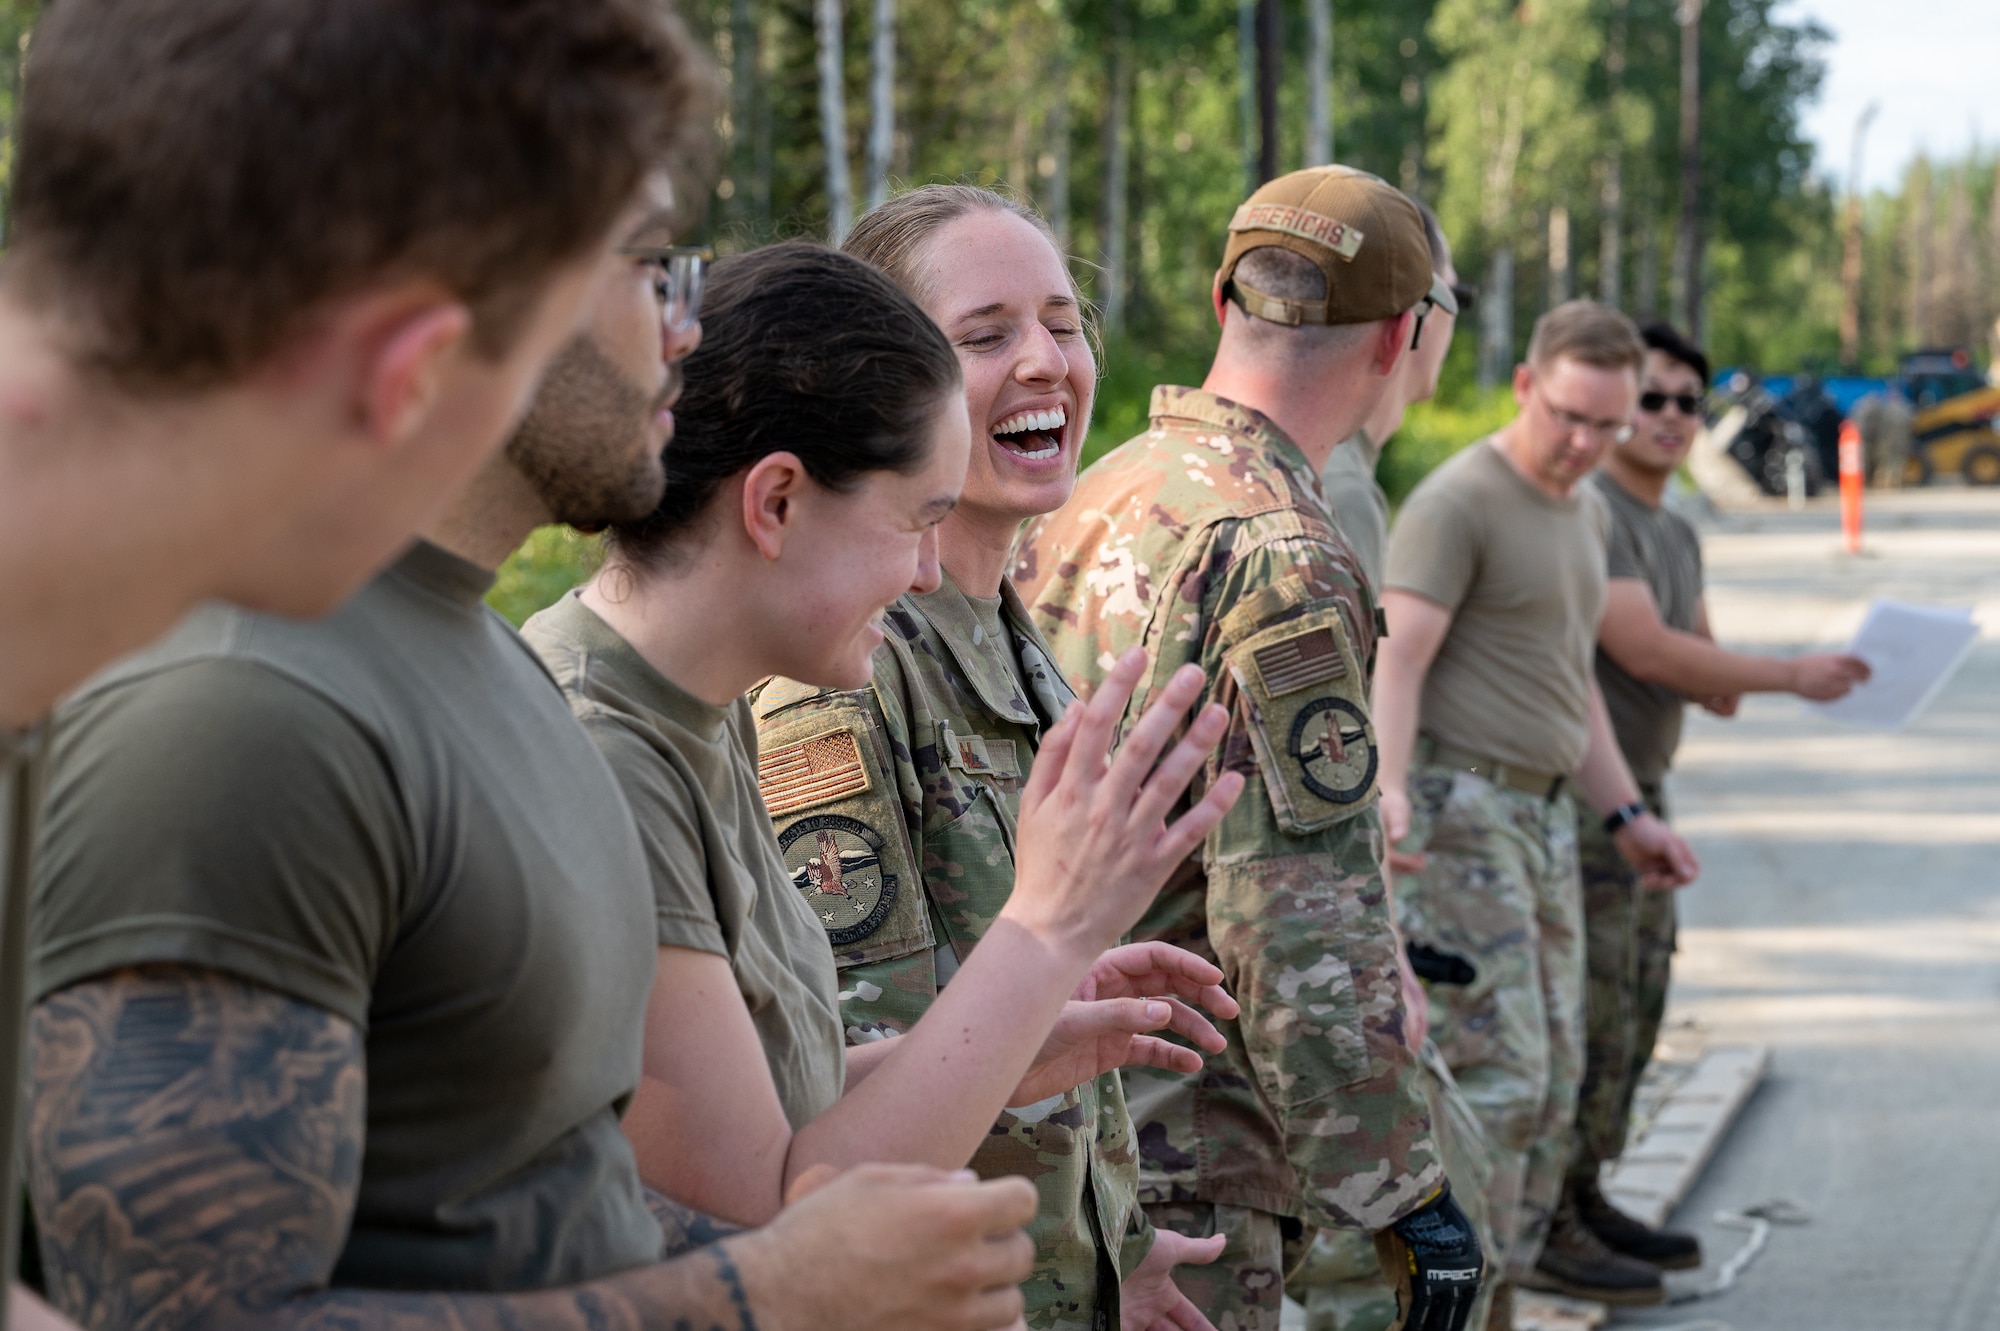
(1299, 662)
(1309, 722)
(1339, 237)
(979, 756)
(815, 770)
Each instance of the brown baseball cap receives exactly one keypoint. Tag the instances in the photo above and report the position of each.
(1358, 229)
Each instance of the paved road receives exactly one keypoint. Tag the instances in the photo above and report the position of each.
(1849, 916)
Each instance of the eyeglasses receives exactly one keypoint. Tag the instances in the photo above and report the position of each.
(1466, 296)
(678, 274)
(1443, 295)
(1689, 403)
(1616, 431)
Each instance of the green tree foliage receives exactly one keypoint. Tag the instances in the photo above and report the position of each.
(16, 17)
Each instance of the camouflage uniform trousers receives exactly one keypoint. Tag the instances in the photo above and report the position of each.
(1501, 890)
(1341, 1283)
(1629, 941)
(1244, 1289)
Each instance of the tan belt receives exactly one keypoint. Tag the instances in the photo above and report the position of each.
(1542, 785)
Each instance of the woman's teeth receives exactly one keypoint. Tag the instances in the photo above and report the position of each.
(1043, 431)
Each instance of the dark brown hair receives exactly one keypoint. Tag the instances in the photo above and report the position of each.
(804, 351)
(196, 175)
(1589, 333)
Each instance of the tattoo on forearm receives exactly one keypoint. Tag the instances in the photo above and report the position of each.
(683, 1228)
(195, 1146)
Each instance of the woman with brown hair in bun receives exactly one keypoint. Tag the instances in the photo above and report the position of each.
(820, 441)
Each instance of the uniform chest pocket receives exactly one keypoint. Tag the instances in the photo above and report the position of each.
(1309, 721)
(968, 850)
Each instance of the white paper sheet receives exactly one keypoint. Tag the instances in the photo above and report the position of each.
(1914, 650)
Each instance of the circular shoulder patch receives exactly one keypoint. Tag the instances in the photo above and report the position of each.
(836, 862)
(1336, 754)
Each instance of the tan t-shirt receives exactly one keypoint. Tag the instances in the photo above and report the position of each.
(689, 771)
(1523, 574)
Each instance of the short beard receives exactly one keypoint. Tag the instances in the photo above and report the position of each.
(581, 445)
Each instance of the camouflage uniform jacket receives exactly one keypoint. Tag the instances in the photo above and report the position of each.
(895, 806)
(1208, 540)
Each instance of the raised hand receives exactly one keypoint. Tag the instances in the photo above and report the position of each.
(1092, 1038)
(1155, 969)
(1094, 846)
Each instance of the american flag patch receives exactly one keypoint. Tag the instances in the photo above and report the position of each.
(1313, 657)
(812, 771)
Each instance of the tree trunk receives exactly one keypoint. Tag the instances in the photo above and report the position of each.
(1246, 89)
(761, 146)
(881, 100)
(1319, 84)
(1496, 321)
(1055, 197)
(1270, 68)
(1687, 236)
(1918, 186)
(833, 118)
(1559, 283)
(1646, 293)
(1611, 199)
(743, 71)
(1117, 147)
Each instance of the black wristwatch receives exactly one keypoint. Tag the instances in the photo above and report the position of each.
(1624, 814)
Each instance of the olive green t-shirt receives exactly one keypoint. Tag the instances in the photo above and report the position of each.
(1659, 548)
(1523, 574)
(20, 785)
(689, 770)
(1360, 509)
(390, 814)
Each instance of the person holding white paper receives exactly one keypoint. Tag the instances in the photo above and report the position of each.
(1654, 655)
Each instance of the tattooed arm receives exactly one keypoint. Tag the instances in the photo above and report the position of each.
(195, 1148)
(684, 1227)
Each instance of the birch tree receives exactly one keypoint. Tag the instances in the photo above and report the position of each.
(830, 40)
(881, 100)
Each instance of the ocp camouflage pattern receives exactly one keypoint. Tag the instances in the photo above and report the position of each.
(947, 733)
(1629, 952)
(1499, 888)
(1207, 540)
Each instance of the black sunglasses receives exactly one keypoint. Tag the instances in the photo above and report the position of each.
(1689, 403)
(1466, 296)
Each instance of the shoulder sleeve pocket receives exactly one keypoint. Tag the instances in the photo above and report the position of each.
(824, 777)
(1309, 722)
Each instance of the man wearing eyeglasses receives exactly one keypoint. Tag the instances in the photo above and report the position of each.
(1654, 655)
(1489, 715)
(344, 941)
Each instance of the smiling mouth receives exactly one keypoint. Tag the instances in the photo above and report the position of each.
(1035, 436)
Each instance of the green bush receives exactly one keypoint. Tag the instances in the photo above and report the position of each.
(550, 562)
(555, 559)
(1433, 431)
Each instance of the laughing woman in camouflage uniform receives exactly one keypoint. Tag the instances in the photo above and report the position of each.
(821, 438)
(949, 730)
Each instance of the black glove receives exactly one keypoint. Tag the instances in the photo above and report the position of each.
(1439, 967)
(1433, 1257)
